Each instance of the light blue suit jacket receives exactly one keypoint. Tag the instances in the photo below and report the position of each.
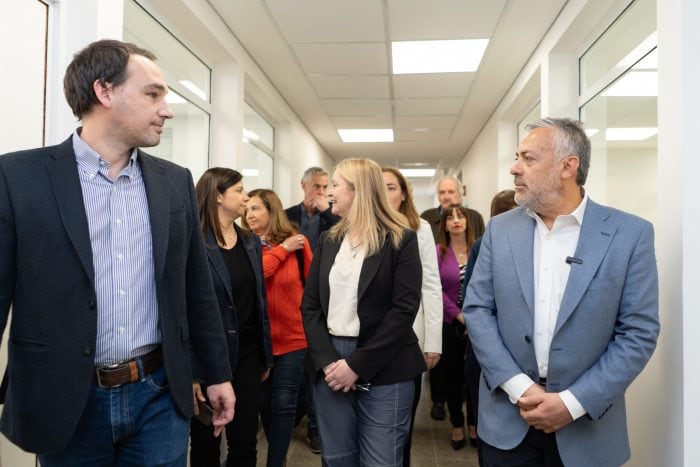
(605, 332)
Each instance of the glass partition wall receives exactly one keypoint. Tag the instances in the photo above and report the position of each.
(185, 140)
(618, 104)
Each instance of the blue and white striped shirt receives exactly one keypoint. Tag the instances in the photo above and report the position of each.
(122, 252)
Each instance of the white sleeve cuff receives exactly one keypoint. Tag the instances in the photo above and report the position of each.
(572, 404)
(516, 386)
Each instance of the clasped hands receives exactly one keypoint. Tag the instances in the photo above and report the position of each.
(340, 376)
(543, 410)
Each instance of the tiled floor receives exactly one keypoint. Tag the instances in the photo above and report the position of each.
(431, 443)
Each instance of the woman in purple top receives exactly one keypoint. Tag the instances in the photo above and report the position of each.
(455, 238)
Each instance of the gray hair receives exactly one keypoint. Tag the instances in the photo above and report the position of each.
(313, 172)
(569, 140)
(450, 177)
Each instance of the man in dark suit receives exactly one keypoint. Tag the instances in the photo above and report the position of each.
(562, 311)
(313, 215)
(102, 262)
(449, 191)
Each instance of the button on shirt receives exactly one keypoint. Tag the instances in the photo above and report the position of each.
(551, 274)
(122, 255)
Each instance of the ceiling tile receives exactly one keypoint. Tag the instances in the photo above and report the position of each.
(365, 59)
(362, 122)
(431, 135)
(351, 86)
(443, 106)
(328, 20)
(433, 85)
(443, 19)
(431, 122)
(358, 107)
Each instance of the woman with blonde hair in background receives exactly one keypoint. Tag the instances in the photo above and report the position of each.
(286, 261)
(360, 301)
(428, 322)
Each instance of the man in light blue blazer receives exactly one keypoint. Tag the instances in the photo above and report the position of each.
(562, 311)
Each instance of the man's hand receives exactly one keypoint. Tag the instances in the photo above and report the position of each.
(320, 203)
(340, 376)
(528, 401)
(431, 359)
(197, 395)
(548, 414)
(223, 401)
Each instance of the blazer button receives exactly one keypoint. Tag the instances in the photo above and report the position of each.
(528, 339)
(87, 351)
(92, 305)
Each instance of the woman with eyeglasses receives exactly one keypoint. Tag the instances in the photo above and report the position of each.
(360, 301)
(286, 261)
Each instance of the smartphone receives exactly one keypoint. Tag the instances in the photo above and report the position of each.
(206, 413)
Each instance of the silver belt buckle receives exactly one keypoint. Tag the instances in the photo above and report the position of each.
(99, 378)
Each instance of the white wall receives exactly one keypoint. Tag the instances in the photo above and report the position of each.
(663, 407)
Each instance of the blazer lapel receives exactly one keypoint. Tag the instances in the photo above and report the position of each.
(217, 263)
(594, 241)
(63, 172)
(156, 183)
(521, 238)
(369, 269)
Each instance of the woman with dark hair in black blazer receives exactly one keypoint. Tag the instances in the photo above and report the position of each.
(360, 301)
(235, 261)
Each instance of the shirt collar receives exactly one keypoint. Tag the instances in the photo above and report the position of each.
(90, 162)
(576, 215)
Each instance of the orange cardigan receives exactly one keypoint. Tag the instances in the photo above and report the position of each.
(284, 292)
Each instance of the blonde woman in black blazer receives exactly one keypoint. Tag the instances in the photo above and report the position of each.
(360, 301)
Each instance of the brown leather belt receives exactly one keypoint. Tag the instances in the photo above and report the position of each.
(128, 372)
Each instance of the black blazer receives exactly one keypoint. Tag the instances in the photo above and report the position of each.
(224, 295)
(388, 298)
(327, 218)
(47, 276)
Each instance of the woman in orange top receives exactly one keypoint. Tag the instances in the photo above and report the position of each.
(286, 261)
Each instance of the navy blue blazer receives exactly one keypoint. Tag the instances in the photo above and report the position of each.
(224, 294)
(47, 277)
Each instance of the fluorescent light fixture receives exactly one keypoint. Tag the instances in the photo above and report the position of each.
(630, 134)
(635, 84)
(195, 90)
(373, 135)
(245, 140)
(591, 131)
(415, 173)
(250, 172)
(448, 56)
(251, 135)
(174, 98)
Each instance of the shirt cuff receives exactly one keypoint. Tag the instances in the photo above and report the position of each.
(572, 404)
(516, 386)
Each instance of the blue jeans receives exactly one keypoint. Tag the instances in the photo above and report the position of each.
(363, 428)
(285, 378)
(134, 424)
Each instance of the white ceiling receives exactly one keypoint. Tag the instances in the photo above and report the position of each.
(331, 60)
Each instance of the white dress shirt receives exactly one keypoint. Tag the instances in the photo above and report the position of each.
(343, 282)
(551, 274)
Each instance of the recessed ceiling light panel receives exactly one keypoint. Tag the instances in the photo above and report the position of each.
(449, 56)
(373, 135)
